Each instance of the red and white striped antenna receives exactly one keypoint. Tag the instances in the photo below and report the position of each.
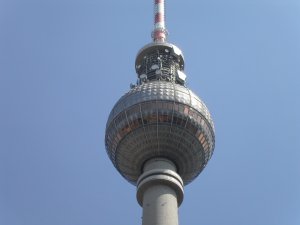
(160, 32)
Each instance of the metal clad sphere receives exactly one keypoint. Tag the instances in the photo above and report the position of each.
(159, 119)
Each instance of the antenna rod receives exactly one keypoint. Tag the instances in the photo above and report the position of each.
(160, 32)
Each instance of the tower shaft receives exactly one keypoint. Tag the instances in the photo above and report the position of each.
(160, 192)
(160, 206)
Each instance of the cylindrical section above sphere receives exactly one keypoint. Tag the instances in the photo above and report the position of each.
(160, 61)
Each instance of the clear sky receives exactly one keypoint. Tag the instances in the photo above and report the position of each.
(64, 64)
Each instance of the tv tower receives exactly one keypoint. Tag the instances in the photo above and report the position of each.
(160, 135)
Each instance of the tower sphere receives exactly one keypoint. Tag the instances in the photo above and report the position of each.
(160, 118)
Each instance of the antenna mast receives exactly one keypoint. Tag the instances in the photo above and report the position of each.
(160, 32)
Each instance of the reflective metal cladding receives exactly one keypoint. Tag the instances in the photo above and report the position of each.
(159, 119)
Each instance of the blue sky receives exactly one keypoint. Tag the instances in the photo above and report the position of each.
(64, 64)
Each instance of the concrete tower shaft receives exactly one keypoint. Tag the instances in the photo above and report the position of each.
(160, 192)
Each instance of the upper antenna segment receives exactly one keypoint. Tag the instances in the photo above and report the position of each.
(160, 32)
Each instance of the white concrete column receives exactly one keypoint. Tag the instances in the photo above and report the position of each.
(160, 192)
